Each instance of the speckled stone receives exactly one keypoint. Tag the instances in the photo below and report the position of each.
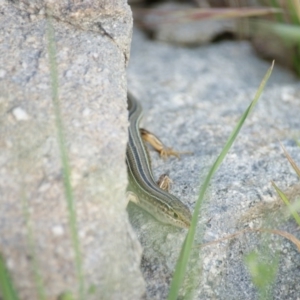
(192, 100)
(92, 87)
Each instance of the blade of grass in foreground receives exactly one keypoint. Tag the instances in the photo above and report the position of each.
(262, 271)
(293, 9)
(291, 161)
(287, 203)
(64, 159)
(289, 33)
(189, 240)
(274, 4)
(8, 291)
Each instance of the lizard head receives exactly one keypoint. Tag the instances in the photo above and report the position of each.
(176, 213)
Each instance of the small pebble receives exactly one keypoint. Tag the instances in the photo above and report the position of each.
(20, 114)
(58, 230)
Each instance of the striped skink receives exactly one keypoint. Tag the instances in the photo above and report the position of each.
(142, 189)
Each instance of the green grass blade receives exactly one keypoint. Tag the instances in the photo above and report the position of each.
(289, 33)
(64, 159)
(287, 203)
(66, 296)
(274, 4)
(291, 161)
(262, 272)
(296, 7)
(293, 9)
(188, 243)
(8, 291)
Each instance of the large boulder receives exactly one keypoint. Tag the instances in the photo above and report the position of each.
(46, 250)
(192, 99)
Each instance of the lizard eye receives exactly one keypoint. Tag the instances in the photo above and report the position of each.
(175, 215)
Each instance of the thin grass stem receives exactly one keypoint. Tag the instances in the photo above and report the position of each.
(182, 261)
(64, 159)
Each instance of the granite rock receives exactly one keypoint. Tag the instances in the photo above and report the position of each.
(35, 238)
(192, 100)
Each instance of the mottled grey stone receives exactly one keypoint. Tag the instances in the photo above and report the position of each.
(192, 100)
(110, 18)
(34, 222)
(178, 27)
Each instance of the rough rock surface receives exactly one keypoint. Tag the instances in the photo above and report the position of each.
(110, 18)
(192, 99)
(35, 238)
(179, 29)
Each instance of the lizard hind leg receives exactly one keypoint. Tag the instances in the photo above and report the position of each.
(158, 145)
